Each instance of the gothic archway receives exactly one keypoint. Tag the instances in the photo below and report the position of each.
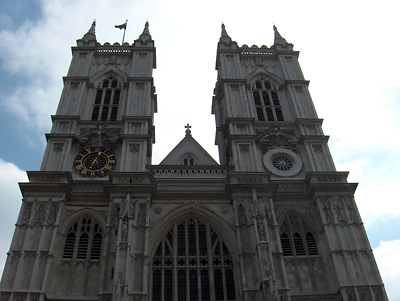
(192, 262)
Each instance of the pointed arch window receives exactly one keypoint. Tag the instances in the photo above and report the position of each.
(84, 240)
(266, 100)
(192, 263)
(107, 100)
(296, 237)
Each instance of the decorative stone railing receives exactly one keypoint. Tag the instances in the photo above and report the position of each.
(114, 50)
(190, 173)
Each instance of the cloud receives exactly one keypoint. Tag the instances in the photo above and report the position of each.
(10, 202)
(387, 258)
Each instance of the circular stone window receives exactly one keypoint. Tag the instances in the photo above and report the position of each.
(282, 162)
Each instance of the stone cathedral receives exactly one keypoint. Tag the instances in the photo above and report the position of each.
(273, 220)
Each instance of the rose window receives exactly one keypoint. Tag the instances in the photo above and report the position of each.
(282, 162)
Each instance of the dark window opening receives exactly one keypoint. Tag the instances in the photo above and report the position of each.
(279, 115)
(83, 241)
(260, 114)
(268, 107)
(297, 237)
(311, 245)
(298, 244)
(285, 243)
(270, 115)
(107, 101)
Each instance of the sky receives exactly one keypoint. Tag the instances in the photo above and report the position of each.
(348, 51)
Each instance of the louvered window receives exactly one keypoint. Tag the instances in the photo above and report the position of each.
(296, 237)
(106, 102)
(266, 101)
(84, 240)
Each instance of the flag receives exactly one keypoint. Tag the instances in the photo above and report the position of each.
(122, 26)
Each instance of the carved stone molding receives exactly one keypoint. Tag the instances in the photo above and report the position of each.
(276, 137)
(99, 136)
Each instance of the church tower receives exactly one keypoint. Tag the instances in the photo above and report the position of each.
(305, 227)
(273, 221)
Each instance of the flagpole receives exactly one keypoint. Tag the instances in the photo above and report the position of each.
(123, 37)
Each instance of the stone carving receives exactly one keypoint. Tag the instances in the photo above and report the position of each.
(99, 136)
(330, 179)
(124, 237)
(260, 215)
(378, 294)
(139, 85)
(87, 188)
(129, 180)
(47, 180)
(142, 215)
(328, 213)
(275, 137)
(120, 288)
(242, 213)
(52, 217)
(292, 188)
(158, 209)
(27, 214)
(339, 212)
(39, 215)
(249, 180)
(351, 213)
(127, 209)
(74, 85)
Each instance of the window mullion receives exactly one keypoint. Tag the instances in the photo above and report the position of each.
(210, 254)
(175, 261)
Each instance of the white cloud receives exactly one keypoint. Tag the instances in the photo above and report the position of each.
(387, 258)
(10, 202)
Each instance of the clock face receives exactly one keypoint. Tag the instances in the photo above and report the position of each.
(94, 162)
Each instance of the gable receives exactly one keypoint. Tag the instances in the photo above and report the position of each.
(188, 152)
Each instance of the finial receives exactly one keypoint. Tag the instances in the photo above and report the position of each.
(188, 131)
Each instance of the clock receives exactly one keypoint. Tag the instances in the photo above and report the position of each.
(94, 162)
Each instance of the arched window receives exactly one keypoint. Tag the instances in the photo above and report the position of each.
(189, 160)
(107, 100)
(192, 263)
(296, 237)
(84, 240)
(268, 107)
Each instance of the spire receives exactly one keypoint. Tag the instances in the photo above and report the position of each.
(225, 40)
(280, 41)
(89, 39)
(145, 39)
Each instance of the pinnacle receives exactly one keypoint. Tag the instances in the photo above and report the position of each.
(278, 39)
(92, 28)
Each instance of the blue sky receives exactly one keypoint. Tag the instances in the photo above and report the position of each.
(348, 51)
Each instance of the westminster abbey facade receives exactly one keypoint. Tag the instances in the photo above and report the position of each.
(273, 220)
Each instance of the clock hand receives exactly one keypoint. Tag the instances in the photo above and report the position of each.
(94, 161)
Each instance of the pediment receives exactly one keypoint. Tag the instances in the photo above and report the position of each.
(188, 152)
